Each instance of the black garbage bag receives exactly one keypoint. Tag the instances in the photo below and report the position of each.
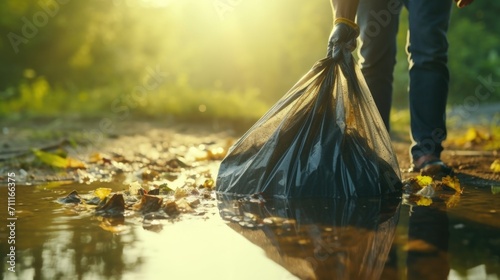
(324, 138)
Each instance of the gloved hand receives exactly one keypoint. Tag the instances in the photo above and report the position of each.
(343, 38)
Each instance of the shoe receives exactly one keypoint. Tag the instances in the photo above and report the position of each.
(430, 165)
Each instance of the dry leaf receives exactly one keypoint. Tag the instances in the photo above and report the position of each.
(423, 181)
(495, 166)
(452, 182)
(102, 193)
(57, 161)
(471, 136)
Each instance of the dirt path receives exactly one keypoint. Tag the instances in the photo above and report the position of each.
(152, 146)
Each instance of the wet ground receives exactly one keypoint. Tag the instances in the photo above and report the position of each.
(210, 237)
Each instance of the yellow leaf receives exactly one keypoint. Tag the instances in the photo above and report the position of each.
(495, 166)
(423, 181)
(50, 159)
(102, 193)
(472, 136)
(452, 183)
(424, 201)
(57, 161)
(208, 184)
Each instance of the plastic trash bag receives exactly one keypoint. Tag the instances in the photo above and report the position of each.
(324, 138)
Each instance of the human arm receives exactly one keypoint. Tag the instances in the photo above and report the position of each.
(347, 8)
(345, 30)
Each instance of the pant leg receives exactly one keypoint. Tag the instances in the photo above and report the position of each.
(428, 57)
(378, 21)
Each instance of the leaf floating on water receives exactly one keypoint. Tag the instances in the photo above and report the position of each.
(57, 161)
(72, 197)
(102, 193)
(423, 181)
(452, 182)
(495, 166)
(148, 203)
(112, 207)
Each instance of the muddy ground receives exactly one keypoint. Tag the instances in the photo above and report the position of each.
(155, 147)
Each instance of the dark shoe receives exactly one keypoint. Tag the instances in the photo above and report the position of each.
(430, 165)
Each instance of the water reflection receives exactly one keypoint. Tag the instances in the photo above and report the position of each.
(373, 238)
(328, 239)
(428, 237)
(319, 239)
(55, 242)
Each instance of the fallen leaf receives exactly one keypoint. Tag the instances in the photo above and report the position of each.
(57, 161)
(50, 159)
(495, 166)
(208, 184)
(423, 181)
(452, 182)
(471, 136)
(102, 193)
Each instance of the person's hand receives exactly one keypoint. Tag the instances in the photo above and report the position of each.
(343, 38)
(463, 3)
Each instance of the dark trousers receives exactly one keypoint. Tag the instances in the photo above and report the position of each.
(427, 49)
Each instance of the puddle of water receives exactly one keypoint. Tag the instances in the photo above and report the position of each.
(278, 240)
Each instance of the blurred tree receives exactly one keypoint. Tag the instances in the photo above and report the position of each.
(259, 46)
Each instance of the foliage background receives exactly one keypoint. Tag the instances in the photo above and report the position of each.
(228, 59)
